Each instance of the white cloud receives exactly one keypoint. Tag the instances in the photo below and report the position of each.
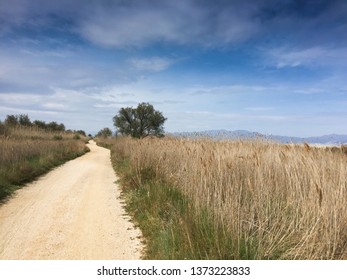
(6, 110)
(35, 53)
(153, 64)
(134, 23)
(54, 106)
(229, 89)
(296, 58)
(17, 98)
(38, 69)
(179, 22)
(259, 109)
(287, 57)
(131, 27)
(199, 113)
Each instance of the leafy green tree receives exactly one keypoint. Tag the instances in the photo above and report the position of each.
(61, 127)
(24, 120)
(105, 132)
(81, 132)
(140, 122)
(2, 128)
(54, 126)
(11, 120)
(40, 124)
(14, 120)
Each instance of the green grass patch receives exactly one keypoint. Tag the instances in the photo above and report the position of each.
(172, 227)
(15, 174)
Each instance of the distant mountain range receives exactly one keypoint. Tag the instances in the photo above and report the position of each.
(331, 139)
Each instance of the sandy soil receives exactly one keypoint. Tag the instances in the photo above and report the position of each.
(73, 212)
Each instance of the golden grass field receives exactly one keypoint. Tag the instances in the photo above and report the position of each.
(26, 153)
(282, 201)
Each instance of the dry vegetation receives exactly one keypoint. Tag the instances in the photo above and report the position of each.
(273, 201)
(27, 152)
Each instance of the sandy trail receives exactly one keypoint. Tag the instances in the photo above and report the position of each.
(73, 212)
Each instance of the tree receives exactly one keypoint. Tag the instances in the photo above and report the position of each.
(2, 128)
(40, 124)
(61, 127)
(11, 120)
(105, 132)
(24, 120)
(140, 122)
(15, 120)
(81, 132)
(54, 126)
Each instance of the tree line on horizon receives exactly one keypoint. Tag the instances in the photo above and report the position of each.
(23, 120)
(139, 122)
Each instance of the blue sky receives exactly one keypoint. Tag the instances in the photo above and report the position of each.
(271, 66)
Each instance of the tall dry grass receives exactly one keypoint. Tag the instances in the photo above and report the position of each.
(26, 153)
(35, 133)
(274, 201)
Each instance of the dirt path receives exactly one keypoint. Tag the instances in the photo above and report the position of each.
(73, 212)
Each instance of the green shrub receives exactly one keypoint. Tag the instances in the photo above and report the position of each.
(57, 137)
(77, 137)
(2, 128)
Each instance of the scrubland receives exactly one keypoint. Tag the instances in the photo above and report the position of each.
(27, 152)
(204, 199)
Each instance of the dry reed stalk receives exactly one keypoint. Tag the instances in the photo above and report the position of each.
(290, 201)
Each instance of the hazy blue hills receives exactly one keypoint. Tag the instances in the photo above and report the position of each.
(331, 139)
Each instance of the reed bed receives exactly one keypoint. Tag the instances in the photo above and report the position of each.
(274, 201)
(26, 153)
(36, 133)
